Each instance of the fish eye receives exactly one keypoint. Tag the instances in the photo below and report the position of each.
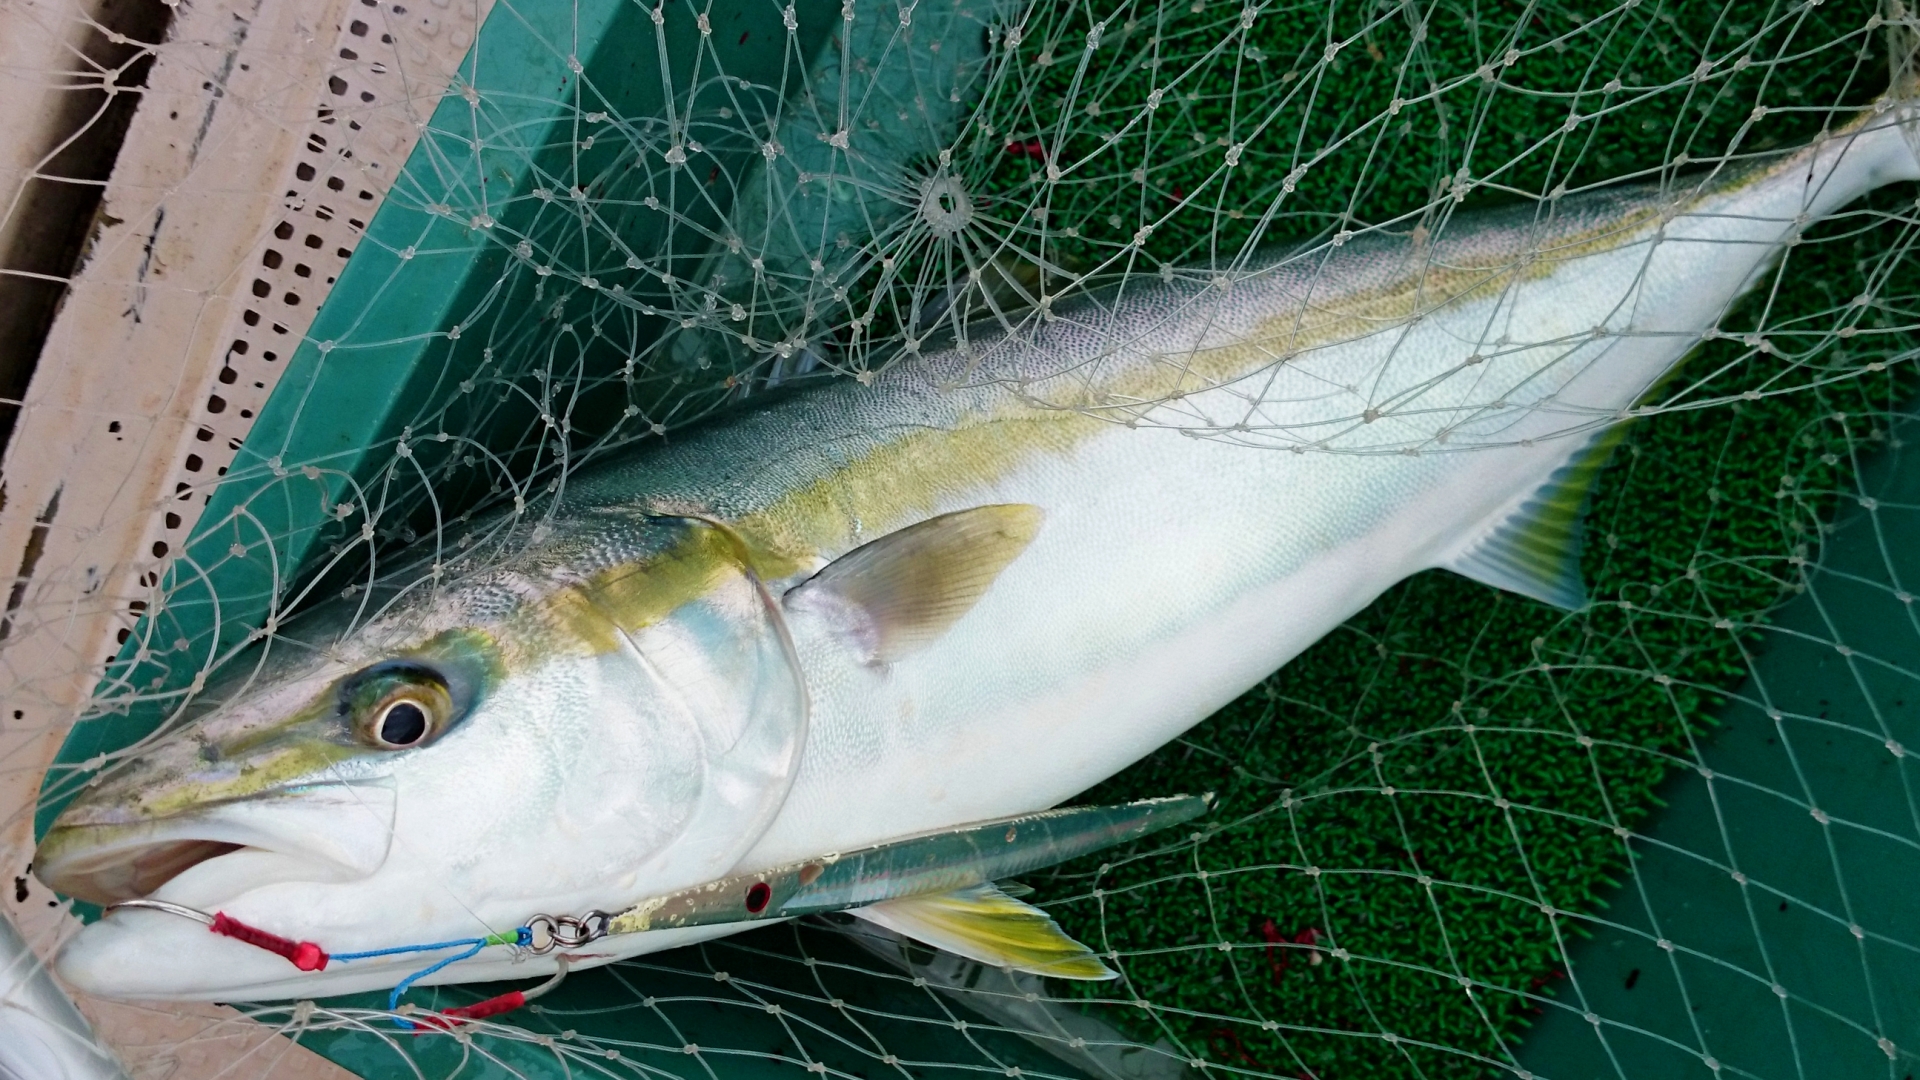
(402, 724)
(397, 706)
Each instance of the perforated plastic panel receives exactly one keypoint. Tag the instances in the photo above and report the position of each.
(250, 168)
(391, 66)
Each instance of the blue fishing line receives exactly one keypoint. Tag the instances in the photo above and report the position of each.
(522, 936)
(393, 999)
(435, 947)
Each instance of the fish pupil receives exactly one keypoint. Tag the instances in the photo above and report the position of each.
(403, 725)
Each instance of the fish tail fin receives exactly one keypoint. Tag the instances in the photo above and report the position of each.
(1534, 548)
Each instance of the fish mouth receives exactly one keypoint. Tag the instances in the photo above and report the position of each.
(320, 832)
(86, 863)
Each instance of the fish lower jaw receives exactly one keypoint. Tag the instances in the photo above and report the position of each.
(150, 955)
(153, 956)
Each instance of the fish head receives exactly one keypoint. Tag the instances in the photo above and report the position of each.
(298, 765)
(511, 745)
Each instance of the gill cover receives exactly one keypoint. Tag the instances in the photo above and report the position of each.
(721, 664)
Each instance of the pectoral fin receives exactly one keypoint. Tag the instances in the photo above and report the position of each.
(982, 923)
(901, 592)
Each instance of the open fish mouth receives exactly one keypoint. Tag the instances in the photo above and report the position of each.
(91, 863)
(320, 832)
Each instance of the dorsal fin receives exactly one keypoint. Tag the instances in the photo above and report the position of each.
(985, 924)
(899, 593)
(1535, 550)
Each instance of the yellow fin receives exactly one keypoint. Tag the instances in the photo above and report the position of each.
(900, 593)
(984, 924)
(1535, 550)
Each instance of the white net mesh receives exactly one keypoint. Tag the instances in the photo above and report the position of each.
(361, 270)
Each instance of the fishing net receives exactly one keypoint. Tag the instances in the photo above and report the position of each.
(434, 257)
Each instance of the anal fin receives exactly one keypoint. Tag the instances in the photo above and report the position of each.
(985, 924)
(1535, 550)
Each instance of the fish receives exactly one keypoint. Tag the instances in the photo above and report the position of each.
(962, 588)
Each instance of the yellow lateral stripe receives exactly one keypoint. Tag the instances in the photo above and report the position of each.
(905, 479)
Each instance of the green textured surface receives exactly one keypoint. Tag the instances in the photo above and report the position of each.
(1813, 729)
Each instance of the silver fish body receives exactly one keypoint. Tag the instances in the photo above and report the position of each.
(967, 588)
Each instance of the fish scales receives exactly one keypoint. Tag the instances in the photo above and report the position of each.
(816, 473)
(967, 588)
